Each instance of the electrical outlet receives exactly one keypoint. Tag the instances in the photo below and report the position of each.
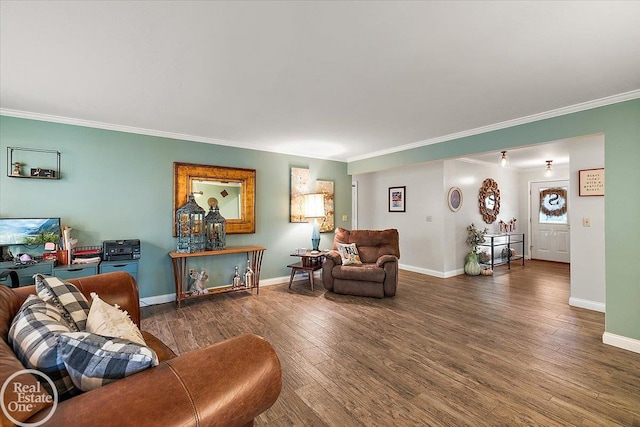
(345, 217)
(586, 222)
(429, 218)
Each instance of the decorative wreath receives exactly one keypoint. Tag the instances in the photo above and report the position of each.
(553, 202)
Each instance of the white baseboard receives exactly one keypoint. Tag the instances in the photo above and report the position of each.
(453, 273)
(621, 342)
(428, 272)
(158, 299)
(274, 281)
(163, 299)
(589, 305)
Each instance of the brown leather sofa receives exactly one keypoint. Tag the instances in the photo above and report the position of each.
(224, 384)
(377, 276)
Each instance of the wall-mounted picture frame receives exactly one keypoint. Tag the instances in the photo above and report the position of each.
(591, 182)
(454, 199)
(300, 178)
(397, 199)
(326, 187)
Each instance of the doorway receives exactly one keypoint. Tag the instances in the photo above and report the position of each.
(550, 228)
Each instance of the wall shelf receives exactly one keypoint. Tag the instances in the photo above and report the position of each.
(34, 159)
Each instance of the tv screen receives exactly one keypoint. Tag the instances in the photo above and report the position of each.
(29, 231)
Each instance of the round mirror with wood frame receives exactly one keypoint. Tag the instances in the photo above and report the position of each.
(489, 200)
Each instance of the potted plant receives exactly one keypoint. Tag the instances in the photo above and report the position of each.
(474, 238)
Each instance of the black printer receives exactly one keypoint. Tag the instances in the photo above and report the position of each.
(118, 250)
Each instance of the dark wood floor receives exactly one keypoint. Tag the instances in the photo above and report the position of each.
(503, 350)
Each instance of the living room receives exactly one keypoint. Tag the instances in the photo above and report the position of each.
(117, 177)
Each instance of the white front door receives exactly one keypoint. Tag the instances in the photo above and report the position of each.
(550, 221)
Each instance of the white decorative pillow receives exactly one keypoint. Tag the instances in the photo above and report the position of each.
(349, 253)
(34, 335)
(93, 360)
(107, 320)
(72, 304)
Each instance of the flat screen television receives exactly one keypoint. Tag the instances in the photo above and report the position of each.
(29, 231)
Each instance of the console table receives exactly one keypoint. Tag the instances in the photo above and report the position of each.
(507, 242)
(181, 273)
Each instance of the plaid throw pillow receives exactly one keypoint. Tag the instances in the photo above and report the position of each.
(33, 335)
(93, 360)
(72, 304)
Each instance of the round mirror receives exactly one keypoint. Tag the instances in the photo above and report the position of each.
(489, 200)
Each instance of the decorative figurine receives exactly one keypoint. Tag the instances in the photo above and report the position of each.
(199, 279)
(16, 169)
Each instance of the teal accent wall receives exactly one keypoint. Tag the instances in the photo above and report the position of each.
(118, 185)
(620, 124)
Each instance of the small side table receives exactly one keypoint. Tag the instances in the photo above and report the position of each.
(309, 262)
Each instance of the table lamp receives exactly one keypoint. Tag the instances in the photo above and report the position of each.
(314, 209)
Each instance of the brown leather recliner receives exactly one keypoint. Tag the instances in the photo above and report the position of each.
(377, 276)
(225, 384)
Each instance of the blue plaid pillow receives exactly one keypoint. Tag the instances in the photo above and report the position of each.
(72, 304)
(33, 336)
(93, 360)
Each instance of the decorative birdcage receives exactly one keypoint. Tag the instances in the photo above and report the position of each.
(215, 229)
(190, 227)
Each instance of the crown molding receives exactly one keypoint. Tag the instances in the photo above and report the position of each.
(143, 131)
(613, 99)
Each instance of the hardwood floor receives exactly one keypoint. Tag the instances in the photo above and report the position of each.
(498, 350)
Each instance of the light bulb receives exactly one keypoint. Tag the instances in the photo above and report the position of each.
(548, 173)
(503, 160)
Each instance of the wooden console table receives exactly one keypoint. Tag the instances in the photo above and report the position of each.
(181, 273)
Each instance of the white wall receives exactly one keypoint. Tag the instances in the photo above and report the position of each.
(420, 241)
(587, 243)
(438, 247)
(468, 176)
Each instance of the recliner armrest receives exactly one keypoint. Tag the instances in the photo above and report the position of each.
(335, 257)
(227, 384)
(386, 258)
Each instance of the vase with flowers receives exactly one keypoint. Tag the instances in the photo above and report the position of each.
(474, 238)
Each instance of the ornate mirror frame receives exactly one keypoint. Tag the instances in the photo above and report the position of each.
(489, 200)
(185, 173)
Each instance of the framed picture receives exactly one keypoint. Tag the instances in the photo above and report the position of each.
(591, 182)
(454, 198)
(397, 199)
(300, 178)
(326, 188)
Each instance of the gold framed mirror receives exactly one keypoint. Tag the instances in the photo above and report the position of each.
(232, 189)
(489, 200)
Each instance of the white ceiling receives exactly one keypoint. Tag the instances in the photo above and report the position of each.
(338, 80)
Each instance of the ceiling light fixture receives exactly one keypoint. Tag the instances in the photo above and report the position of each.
(503, 159)
(548, 173)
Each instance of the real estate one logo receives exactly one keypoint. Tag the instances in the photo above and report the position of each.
(18, 397)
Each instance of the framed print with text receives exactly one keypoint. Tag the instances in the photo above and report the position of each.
(591, 182)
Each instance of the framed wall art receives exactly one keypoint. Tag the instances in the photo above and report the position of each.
(300, 178)
(397, 199)
(326, 188)
(591, 182)
(454, 198)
